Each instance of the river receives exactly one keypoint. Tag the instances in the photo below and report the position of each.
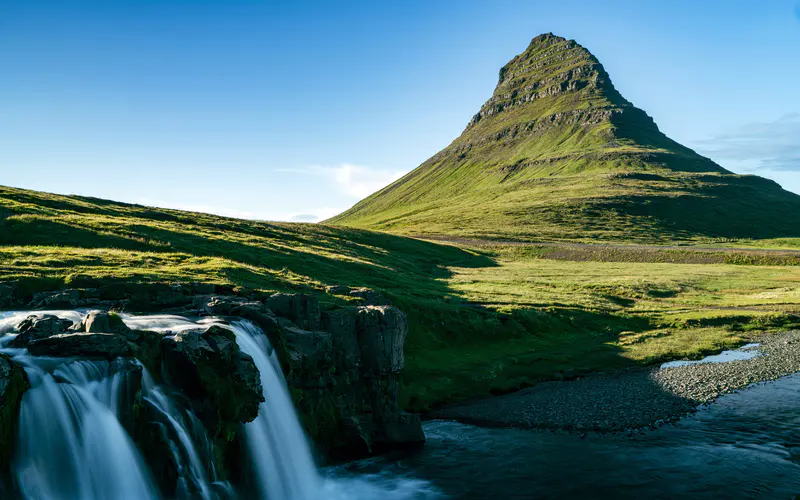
(745, 445)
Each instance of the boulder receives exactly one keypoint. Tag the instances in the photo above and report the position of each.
(381, 334)
(338, 290)
(364, 435)
(84, 345)
(60, 299)
(104, 322)
(39, 326)
(303, 310)
(405, 429)
(370, 297)
(208, 365)
(13, 383)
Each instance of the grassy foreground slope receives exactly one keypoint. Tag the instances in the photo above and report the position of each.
(482, 319)
(558, 154)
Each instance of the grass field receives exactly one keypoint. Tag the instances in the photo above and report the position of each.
(483, 319)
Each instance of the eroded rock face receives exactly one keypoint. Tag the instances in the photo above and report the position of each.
(13, 383)
(39, 326)
(344, 373)
(302, 310)
(84, 345)
(208, 365)
(367, 354)
(381, 334)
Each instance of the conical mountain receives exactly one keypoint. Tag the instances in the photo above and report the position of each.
(558, 153)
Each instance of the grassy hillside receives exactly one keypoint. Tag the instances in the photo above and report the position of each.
(483, 318)
(558, 154)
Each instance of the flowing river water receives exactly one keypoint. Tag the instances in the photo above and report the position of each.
(72, 444)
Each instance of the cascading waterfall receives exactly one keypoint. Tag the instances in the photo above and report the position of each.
(275, 440)
(73, 443)
(283, 467)
(189, 444)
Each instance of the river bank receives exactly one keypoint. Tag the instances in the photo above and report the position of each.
(633, 399)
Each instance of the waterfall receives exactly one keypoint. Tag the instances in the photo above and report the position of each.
(71, 443)
(189, 444)
(283, 468)
(275, 440)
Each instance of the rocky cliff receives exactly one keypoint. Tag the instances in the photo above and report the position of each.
(342, 365)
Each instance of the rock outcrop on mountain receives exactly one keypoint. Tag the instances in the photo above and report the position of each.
(558, 153)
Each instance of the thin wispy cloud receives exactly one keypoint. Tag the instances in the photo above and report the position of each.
(764, 146)
(357, 181)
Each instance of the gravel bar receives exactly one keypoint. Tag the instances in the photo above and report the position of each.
(631, 399)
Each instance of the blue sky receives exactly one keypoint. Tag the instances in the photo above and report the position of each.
(295, 110)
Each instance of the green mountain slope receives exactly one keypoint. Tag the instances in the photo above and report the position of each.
(558, 153)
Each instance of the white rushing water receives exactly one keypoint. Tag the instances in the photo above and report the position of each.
(190, 446)
(275, 440)
(73, 443)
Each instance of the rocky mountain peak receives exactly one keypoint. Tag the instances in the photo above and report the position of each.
(554, 69)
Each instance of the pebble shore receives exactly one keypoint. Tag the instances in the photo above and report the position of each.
(632, 399)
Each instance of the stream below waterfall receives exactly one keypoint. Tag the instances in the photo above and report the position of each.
(745, 445)
(73, 444)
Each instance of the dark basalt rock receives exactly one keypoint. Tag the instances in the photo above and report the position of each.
(342, 327)
(381, 334)
(303, 310)
(343, 375)
(63, 299)
(39, 326)
(13, 384)
(103, 322)
(84, 345)
(371, 297)
(208, 365)
(338, 290)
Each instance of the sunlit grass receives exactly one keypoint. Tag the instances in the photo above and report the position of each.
(483, 319)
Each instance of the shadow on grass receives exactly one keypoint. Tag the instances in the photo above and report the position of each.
(454, 352)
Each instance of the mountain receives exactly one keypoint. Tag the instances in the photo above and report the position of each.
(558, 153)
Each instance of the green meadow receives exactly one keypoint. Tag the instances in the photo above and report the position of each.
(484, 318)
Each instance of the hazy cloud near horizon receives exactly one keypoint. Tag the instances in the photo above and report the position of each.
(353, 181)
(357, 181)
(771, 145)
